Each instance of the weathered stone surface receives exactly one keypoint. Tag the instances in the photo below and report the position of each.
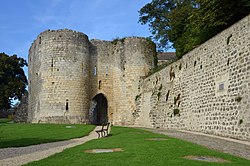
(207, 159)
(205, 91)
(21, 112)
(66, 71)
(103, 150)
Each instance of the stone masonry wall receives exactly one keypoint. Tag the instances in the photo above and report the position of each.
(101, 75)
(59, 77)
(67, 71)
(208, 90)
(135, 60)
(21, 111)
(119, 66)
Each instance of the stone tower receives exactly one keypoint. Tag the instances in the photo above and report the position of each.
(74, 80)
(59, 77)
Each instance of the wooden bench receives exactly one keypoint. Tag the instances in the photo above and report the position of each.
(102, 131)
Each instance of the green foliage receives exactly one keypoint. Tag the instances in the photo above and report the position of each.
(176, 111)
(137, 97)
(12, 79)
(238, 99)
(5, 120)
(189, 23)
(156, 69)
(137, 151)
(159, 67)
(15, 135)
(116, 40)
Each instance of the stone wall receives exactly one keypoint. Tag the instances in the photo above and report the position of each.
(21, 111)
(135, 60)
(115, 70)
(59, 77)
(208, 90)
(67, 71)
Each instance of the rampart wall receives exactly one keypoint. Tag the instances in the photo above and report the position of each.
(207, 91)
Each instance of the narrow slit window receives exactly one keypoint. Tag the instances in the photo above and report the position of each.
(40, 40)
(107, 70)
(167, 95)
(100, 84)
(95, 70)
(67, 105)
(52, 62)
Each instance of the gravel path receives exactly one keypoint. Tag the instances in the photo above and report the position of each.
(227, 145)
(23, 155)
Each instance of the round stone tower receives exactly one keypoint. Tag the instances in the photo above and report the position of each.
(59, 77)
(139, 55)
(136, 57)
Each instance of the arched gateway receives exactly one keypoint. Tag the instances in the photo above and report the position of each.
(98, 113)
(66, 69)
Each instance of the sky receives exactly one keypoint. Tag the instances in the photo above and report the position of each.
(21, 21)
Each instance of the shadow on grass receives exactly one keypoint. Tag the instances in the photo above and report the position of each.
(5, 120)
(25, 142)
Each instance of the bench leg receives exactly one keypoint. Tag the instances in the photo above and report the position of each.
(98, 134)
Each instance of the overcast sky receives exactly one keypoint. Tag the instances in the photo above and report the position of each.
(22, 20)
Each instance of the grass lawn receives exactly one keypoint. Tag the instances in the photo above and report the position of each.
(5, 120)
(16, 135)
(137, 151)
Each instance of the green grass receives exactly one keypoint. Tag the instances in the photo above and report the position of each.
(137, 151)
(16, 135)
(5, 120)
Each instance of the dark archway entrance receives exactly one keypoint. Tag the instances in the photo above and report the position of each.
(99, 110)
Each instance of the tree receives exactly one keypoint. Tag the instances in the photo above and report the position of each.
(12, 79)
(213, 16)
(181, 33)
(168, 21)
(188, 23)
